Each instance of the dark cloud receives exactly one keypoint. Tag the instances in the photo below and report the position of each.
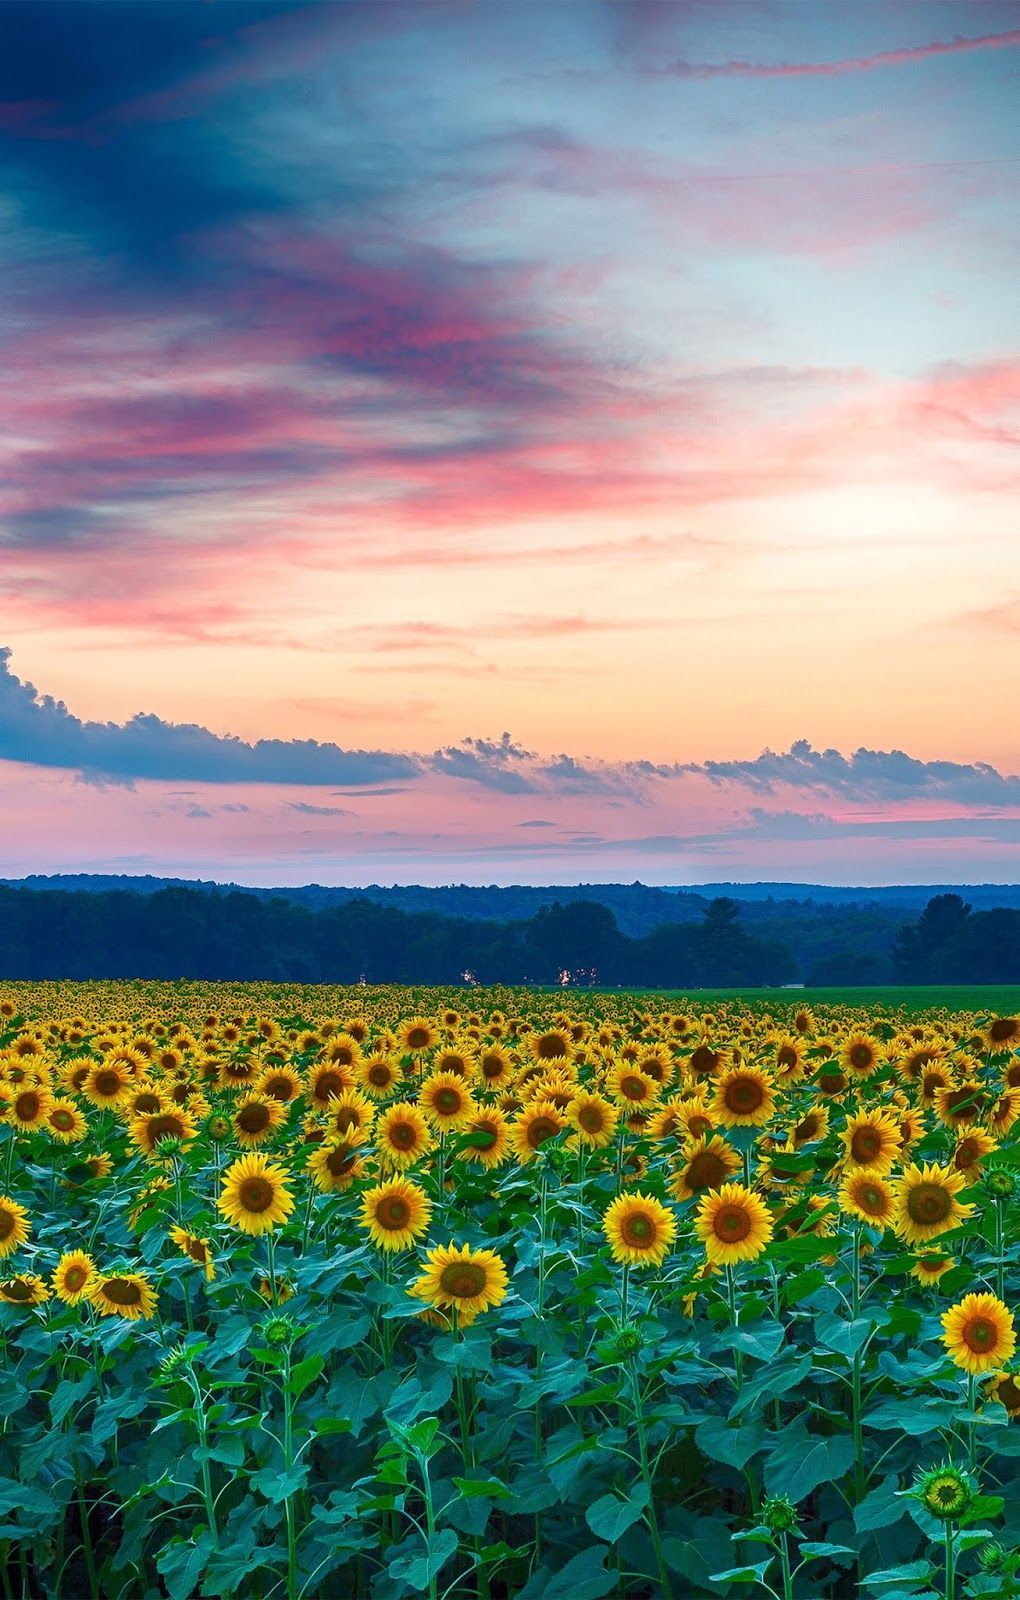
(38, 729)
(493, 764)
(307, 810)
(879, 775)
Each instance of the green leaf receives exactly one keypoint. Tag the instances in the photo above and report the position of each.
(734, 1447)
(276, 1484)
(815, 1552)
(305, 1373)
(610, 1517)
(753, 1574)
(419, 1570)
(909, 1572)
(915, 1417)
(844, 1337)
(972, 1539)
(881, 1508)
(583, 1578)
(482, 1488)
(800, 1462)
(182, 1564)
(774, 1380)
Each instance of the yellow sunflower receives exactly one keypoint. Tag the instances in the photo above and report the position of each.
(395, 1213)
(865, 1193)
(972, 1145)
(462, 1279)
(639, 1230)
(417, 1035)
(14, 1226)
(254, 1195)
(744, 1098)
(325, 1080)
(402, 1135)
(447, 1101)
(127, 1294)
(281, 1083)
(539, 1121)
(734, 1225)
(860, 1055)
(147, 1131)
(25, 1290)
(257, 1118)
(930, 1267)
(72, 1277)
(195, 1248)
(872, 1141)
(1005, 1388)
(337, 1163)
(495, 1068)
(108, 1083)
(29, 1106)
(593, 1119)
(554, 1044)
(378, 1076)
(1004, 1112)
(979, 1333)
(926, 1203)
(708, 1163)
(350, 1112)
(813, 1126)
(489, 1138)
(1002, 1033)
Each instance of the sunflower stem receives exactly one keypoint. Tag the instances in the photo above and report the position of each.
(202, 1424)
(784, 1557)
(972, 1421)
(858, 1424)
(288, 1461)
(950, 1562)
(647, 1478)
(271, 1250)
(731, 1296)
(1000, 1246)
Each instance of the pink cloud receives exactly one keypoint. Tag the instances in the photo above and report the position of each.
(907, 56)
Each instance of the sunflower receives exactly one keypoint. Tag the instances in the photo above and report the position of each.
(734, 1225)
(864, 1193)
(446, 1101)
(831, 1082)
(195, 1248)
(788, 1055)
(14, 1226)
(126, 1294)
(254, 1195)
(29, 1106)
(342, 1050)
(540, 1120)
(455, 1058)
(395, 1213)
(592, 1118)
(872, 1141)
(99, 1165)
(147, 1131)
(1004, 1112)
(257, 1118)
(813, 1126)
(705, 1059)
(555, 1044)
(108, 1083)
(417, 1035)
(326, 1080)
(402, 1135)
(630, 1086)
(143, 1100)
(488, 1139)
(72, 1277)
(859, 1055)
(707, 1164)
(639, 1230)
(350, 1112)
(462, 1279)
(744, 1098)
(979, 1333)
(378, 1076)
(930, 1267)
(1005, 1388)
(972, 1145)
(926, 1203)
(282, 1083)
(495, 1068)
(1002, 1033)
(337, 1163)
(25, 1290)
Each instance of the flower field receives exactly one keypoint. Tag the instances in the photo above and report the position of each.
(382, 1293)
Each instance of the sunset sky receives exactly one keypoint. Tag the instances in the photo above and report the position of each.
(510, 442)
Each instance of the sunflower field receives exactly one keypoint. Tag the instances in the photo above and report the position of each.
(318, 1293)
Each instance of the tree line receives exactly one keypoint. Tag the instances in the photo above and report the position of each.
(189, 933)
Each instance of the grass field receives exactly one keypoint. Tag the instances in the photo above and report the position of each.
(923, 997)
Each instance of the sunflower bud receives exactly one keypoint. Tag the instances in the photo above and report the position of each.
(1000, 1184)
(779, 1516)
(280, 1331)
(945, 1492)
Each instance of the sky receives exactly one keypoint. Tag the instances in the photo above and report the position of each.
(472, 441)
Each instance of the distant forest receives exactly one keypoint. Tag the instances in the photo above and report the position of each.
(223, 933)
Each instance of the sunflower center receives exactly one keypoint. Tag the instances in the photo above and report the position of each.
(540, 1130)
(550, 1046)
(253, 1118)
(591, 1119)
(393, 1212)
(17, 1289)
(706, 1171)
(861, 1056)
(929, 1203)
(379, 1075)
(122, 1292)
(107, 1083)
(328, 1083)
(638, 1230)
(146, 1104)
(967, 1152)
(462, 1280)
(492, 1066)
(75, 1278)
(832, 1082)
(8, 1223)
(403, 1134)
(961, 1105)
(871, 1199)
(786, 1056)
(256, 1194)
(744, 1095)
(866, 1144)
(26, 1106)
(732, 1223)
(1008, 1393)
(340, 1162)
(1003, 1029)
(417, 1038)
(448, 1102)
(280, 1088)
(62, 1120)
(703, 1059)
(979, 1334)
(806, 1129)
(346, 1118)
